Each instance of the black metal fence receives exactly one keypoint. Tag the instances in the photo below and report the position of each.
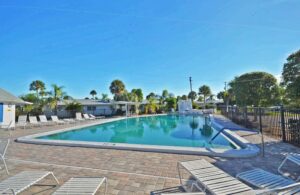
(278, 122)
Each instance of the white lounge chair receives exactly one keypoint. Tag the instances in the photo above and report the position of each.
(69, 120)
(33, 121)
(57, 121)
(295, 158)
(96, 117)
(22, 121)
(4, 147)
(79, 116)
(22, 181)
(43, 120)
(266, 180)
(86, 117)
(212, 179)
(82, 185)
(216, 181)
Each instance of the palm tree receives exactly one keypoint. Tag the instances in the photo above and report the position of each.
(205, 91)
(192, 95)
(165, 94)
(37, 86)
(93, 93)
(57, 94)
(117, 87)
(104, 97)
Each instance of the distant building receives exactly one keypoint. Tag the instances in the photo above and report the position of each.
(8, 104)
(95, 107)
(209, 101)
(184, 106)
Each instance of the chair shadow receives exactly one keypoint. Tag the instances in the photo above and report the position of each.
(177, 189)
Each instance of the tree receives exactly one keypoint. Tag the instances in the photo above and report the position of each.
(151, 107)
(117, 87)
(57, 94)
(255, 88)
(192, 95)
(291, 77)
(138, 93)
(205, 91)
(227, 97)
(74, 107)
(37, 86)
(35, 108)
(184, 97)
(104, 97)
(171, 103)
(150, 95)
(93, 93)
(165, 94)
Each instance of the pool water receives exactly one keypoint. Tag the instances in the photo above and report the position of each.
(164, 130)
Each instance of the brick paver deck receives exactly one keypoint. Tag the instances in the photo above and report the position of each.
(128, 172)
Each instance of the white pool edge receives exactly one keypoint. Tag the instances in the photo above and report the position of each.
(246, 149)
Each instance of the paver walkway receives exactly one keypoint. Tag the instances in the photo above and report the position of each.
(128, 172)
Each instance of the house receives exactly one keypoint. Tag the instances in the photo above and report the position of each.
(8, 104)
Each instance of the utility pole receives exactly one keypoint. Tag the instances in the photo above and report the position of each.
(225, 88)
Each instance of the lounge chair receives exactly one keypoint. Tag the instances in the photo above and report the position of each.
(212, 179)
(33, 121)
(216, 181)
(272, 182)
(69, 120)
(86, 117)
(3, 152)
(43, 120)
(20, 182)
(82, 185)
(57, 121)
(96, 117)
(295, 158)
(22, 121)
(79, 117)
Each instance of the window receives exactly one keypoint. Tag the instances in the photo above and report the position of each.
(91, 108)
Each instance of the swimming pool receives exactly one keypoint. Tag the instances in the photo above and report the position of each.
(166, 130)
(181, 134)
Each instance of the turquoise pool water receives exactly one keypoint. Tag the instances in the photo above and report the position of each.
(166, 130)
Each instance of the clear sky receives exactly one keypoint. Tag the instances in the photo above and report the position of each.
(153, 44)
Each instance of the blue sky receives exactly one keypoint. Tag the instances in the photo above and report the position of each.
(152, 44)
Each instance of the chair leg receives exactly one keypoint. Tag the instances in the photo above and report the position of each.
(281, 165)
(6, 169)
(178, 168)
(105, 186)
(54, 177)
(195, 185)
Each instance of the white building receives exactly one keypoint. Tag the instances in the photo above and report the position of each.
(95, 107)
(185, 106)
(8, 104)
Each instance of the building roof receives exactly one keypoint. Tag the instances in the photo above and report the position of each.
(6, 97)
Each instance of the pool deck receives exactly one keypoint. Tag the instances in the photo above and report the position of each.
(128, 172)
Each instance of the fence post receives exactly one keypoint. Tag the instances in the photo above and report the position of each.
(261, 132)
(282, 124)
(245, 116)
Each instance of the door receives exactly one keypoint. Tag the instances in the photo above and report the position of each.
(1, 112)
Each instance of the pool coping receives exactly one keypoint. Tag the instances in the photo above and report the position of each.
(246, 149)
